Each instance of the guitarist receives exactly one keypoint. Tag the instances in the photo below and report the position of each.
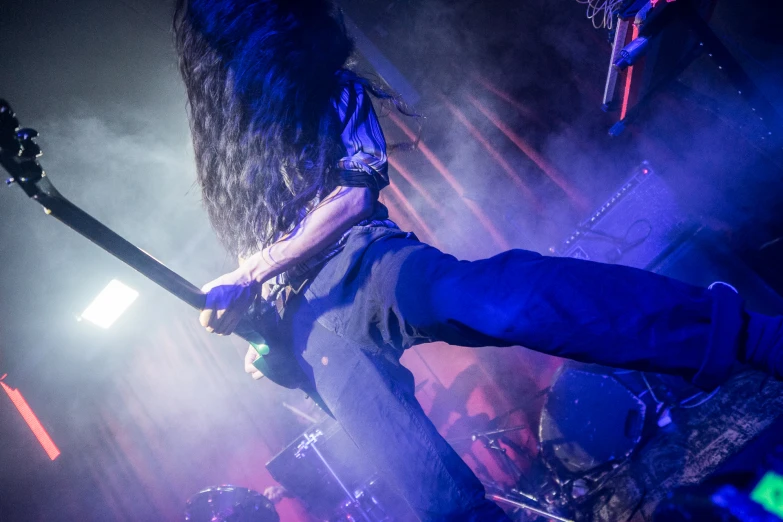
(290, 159)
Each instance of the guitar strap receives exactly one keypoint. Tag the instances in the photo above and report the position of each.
(283, 294)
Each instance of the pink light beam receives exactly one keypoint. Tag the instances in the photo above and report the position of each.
(32, 421)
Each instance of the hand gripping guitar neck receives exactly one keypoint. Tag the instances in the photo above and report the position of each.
(18, 155)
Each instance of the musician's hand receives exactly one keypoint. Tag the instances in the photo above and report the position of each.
(250, 358)
(276, 493)
(228, 298)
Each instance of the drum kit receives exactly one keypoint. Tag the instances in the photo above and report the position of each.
(593, 420)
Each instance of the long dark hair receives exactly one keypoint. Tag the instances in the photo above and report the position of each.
(260, 78)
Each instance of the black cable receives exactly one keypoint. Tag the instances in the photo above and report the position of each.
(622, 243)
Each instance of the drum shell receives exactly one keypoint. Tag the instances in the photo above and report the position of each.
(237, 504)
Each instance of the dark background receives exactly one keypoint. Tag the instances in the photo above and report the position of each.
(151, 410)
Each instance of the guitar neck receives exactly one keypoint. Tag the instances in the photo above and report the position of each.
(279, 365)
(59, 207)
(18, 153)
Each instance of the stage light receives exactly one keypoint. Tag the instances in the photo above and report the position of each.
(110, 304)
(769, 493)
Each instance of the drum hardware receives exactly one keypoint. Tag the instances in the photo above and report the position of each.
(369, 497)
(309, 443)
(325, 470)
(491, 441)
(506, 499)
(309, 439)
(300, 413)
(575, 493)
(514, 497)
(230, 504)
(582, 442)
(487, 434)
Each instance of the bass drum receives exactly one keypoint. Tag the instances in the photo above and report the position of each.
(230, 504)
(590, 421)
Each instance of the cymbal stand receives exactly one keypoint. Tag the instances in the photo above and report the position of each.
(491, 441)
(516, 497)
(309, 443)
(504, 499)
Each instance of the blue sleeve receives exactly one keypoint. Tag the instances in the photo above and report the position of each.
(364, 163)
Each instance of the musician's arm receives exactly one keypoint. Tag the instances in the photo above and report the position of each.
(362, 173)
(325, 224)
(334, 215)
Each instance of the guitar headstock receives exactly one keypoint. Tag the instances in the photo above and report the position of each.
(19, 152)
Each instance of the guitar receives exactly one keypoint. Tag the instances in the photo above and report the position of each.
(19, 155)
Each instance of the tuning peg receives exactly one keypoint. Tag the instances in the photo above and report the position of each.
(26, 134)
(5, 107)
(26, 138)
(8, 125)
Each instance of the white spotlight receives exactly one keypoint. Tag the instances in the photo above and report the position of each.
(110, 304)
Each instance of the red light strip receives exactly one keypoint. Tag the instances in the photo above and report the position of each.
(407, 176)
(554, 174)
(628, 80)
(525, 111)
(499, 159)
(412, 214)
(32, 421)
(474, 208)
